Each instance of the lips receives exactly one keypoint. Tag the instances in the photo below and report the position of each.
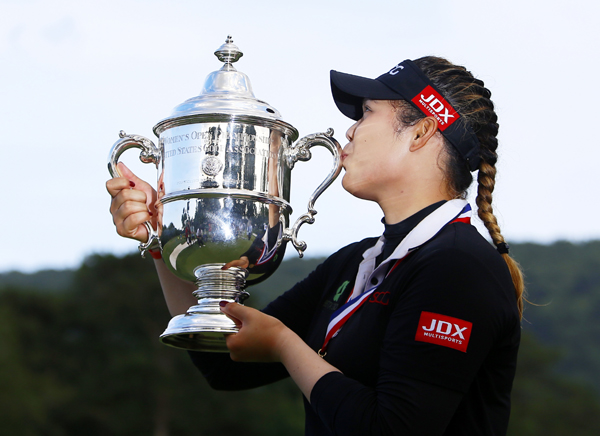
(342, 159)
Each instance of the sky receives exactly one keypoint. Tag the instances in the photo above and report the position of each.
(75, 73)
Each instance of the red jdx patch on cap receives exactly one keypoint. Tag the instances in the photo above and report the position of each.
(432, 103)
(444, 330)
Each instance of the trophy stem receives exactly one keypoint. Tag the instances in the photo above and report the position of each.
(204, 327)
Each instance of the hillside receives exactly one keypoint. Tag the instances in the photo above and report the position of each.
(79, 353)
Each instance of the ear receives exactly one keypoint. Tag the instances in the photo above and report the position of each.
(423, 132)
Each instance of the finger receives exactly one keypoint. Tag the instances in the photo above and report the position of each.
(130, 209)
(116, 185)
(133, 226)
(127, 180)
(231, 341)
(129, 212)
(134, 199)
(139, 184)
(242, 262)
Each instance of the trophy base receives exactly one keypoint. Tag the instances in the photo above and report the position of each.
(199, 332)
(204, 327)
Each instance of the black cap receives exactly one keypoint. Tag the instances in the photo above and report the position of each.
(349, 91)
(407, 82)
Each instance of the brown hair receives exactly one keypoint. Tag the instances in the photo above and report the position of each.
(471, 99)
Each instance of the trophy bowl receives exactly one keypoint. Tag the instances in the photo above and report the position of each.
(224, 162)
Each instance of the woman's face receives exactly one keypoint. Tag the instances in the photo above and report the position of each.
(374, 154)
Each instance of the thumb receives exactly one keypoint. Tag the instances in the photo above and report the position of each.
(234, 311)
(127, 173)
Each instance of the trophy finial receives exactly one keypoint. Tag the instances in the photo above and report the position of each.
(228, 53)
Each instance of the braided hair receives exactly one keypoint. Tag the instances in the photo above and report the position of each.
(471, 99)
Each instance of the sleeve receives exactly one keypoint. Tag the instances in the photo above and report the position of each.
(420, 383)
(295, 308)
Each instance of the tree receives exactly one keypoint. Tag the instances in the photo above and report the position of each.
(546, 403)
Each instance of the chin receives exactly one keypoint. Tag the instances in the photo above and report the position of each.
(347, 185)
(355, 190)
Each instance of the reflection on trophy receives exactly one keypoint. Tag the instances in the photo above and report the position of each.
(224, 161)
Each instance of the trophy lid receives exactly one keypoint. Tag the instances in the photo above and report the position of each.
(226, 92)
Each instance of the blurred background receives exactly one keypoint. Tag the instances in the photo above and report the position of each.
(79, 314)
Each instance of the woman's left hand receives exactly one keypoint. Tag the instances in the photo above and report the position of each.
(260, 338)
(263, 338)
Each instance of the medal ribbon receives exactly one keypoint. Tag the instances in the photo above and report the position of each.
(267, 252)
(422, 233)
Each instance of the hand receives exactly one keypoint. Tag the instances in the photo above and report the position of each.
(133, 203)
(261, 337)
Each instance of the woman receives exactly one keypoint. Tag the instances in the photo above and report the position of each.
(415, 332)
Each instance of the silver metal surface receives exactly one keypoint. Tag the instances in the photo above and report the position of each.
(149, 154)
(203, 327)
(224, 164)
(301, 151)
(226, 92)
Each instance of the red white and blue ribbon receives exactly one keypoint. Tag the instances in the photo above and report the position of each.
(267, 252)
(449, 212)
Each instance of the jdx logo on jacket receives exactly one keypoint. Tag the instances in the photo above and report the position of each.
(444, 330)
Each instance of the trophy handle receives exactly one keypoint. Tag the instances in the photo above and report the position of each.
(301, 151)
(149, 154)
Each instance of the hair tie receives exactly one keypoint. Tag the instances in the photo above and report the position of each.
(502, 248)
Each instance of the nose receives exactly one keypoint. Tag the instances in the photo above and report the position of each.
(350, 131)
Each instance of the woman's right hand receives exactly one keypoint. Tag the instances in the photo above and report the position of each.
(133, 203)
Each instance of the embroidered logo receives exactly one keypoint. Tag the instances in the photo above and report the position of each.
(340, 290)
(382, 298)
(432, 103)
(444, 330)
(396, 69)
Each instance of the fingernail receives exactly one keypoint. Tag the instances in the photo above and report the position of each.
(131, 184)
(222, 303)
(151, 214)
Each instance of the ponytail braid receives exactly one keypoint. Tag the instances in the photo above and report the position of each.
(486, 180)
(471, 99)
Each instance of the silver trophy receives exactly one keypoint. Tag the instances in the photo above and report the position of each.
(224, 162)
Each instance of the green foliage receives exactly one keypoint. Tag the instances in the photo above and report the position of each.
(563, 285)
(44, 280)
(28, 388)
(287, 275)
(88, 362)
(548, 405)
(85, 359)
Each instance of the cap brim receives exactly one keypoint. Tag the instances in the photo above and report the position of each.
(349, 91)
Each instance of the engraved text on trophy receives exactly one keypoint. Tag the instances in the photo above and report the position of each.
(232, 156)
